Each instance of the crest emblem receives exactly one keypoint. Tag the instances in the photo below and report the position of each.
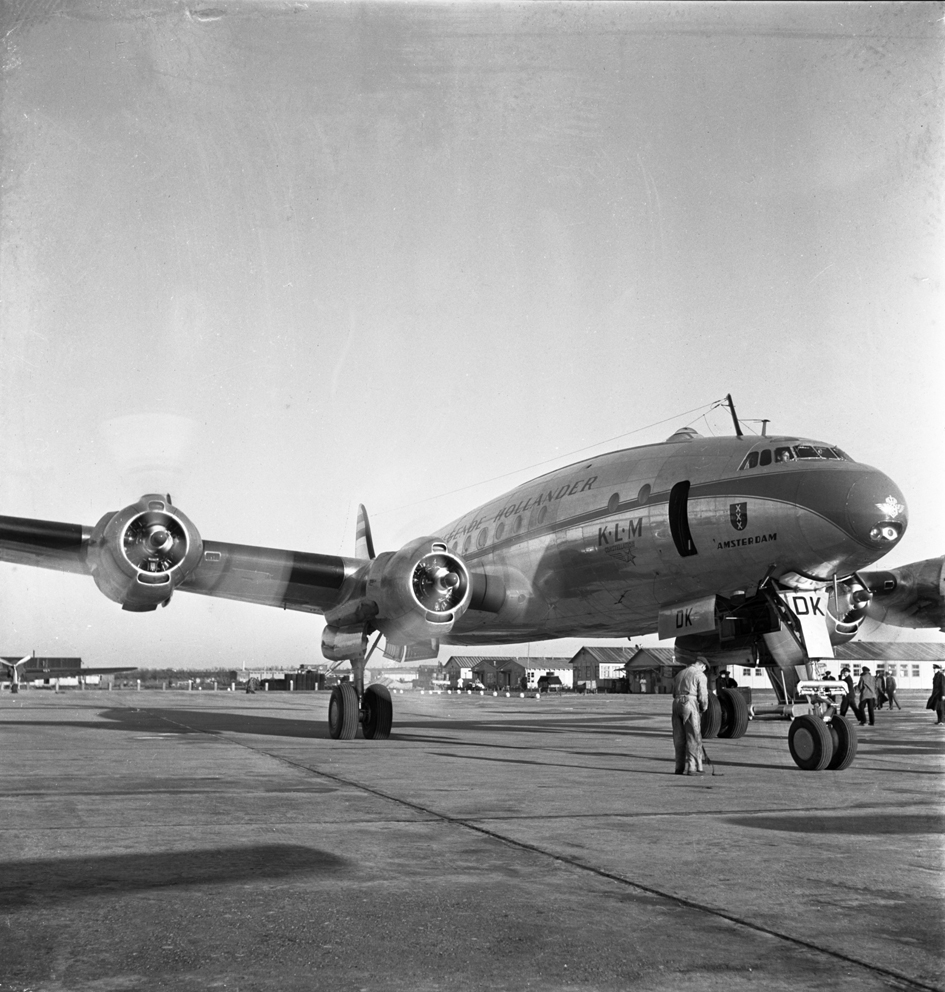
(892, 507)
(738, 514)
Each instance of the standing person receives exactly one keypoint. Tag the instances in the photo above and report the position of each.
(936, 701)
(891, 687)
(880, 688)
(690, 701)
(725, 681)
(866, 688)
(849, 700)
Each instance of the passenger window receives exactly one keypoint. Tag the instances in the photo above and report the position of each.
(766, 456)
(482, 538)
(467, 544)
(499, 531)
(517, 525)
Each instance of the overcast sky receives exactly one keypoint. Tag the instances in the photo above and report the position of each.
(279, 259)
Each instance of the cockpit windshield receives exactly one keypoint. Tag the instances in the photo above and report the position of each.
(792, 453)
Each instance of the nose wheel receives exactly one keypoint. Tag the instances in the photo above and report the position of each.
(373, 712)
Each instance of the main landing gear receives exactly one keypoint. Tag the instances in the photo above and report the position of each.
(726, 715)
(373, 712)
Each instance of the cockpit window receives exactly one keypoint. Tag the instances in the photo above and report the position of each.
(792, 453)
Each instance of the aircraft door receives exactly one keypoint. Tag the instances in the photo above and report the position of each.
(679, 519)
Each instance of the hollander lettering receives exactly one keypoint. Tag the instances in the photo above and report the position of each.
(570, 489)
(743, 542)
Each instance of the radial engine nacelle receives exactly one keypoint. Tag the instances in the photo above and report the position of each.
(910, 596)
(141, 554)
(419, 591)
(412, 595)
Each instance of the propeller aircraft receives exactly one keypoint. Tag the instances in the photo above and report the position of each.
(744, 547)
(33, 669)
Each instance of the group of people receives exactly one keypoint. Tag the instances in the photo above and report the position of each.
(691, 699)
(870, 694)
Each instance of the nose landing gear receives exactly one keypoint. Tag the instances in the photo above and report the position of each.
(822, 738)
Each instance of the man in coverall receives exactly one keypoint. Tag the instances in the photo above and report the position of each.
(690, 701)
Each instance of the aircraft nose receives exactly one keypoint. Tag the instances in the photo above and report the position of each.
(876, 511)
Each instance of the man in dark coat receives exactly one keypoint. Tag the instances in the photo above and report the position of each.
(891, 687)
(936, 701)
(849, 700)
(866, 689)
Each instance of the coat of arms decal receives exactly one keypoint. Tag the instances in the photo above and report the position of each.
(738, 514)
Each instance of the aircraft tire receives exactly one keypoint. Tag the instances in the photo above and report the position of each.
(378, 713)
(810, 743)
(844, 738)
(343, 712)
(734, 710)
(712, 718)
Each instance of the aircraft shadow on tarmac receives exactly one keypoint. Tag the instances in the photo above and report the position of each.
(191, 721)
(865, 823)
(54, 880)
(183, 722)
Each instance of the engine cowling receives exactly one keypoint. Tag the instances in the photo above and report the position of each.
(848, 603)
(419, 592)
(141, 554)
(910, 596)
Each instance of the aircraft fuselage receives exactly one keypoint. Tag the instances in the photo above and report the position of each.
(599, 547)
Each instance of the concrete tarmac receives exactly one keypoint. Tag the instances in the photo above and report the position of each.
(212, 840)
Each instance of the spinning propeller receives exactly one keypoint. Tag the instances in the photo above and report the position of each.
(154, 542)
(436, 586)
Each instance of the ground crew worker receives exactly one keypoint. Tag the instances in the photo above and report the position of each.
(690, 701)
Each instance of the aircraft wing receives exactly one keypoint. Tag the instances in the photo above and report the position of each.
(44, 544)
(140, 555)
(87, 671)
(293, 580)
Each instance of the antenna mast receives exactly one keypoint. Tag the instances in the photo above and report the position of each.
(731, 406)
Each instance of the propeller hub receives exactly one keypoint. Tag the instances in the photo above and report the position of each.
(159, 539)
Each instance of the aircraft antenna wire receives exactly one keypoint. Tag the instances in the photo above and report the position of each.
(701, 410)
